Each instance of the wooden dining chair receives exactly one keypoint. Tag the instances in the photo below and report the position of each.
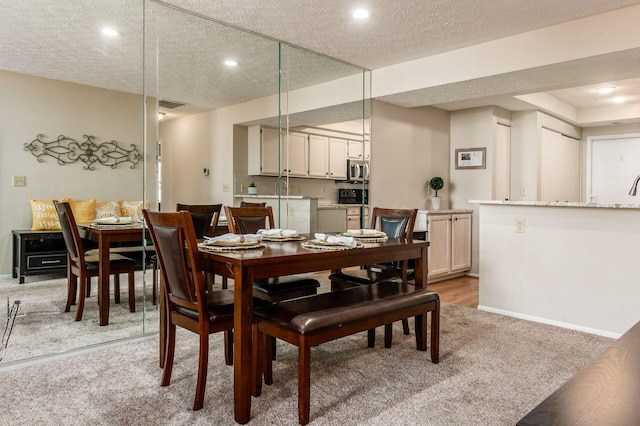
(396, 223)
(248, 220)
(247, 204)
(187, 302)
(84, 265)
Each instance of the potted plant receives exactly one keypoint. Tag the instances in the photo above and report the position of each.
(252, 189)
(436, 183)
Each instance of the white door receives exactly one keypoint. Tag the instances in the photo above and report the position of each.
(502, 169)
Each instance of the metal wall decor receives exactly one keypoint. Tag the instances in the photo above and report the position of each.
(67, 151)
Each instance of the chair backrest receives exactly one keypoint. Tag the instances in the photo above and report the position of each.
(204, 216)
(70, 232)
(396, 223)
(247, 220)
(177, 250)
(246, 204)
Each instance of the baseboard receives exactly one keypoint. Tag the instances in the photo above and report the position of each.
(473, 274)
(550, 322)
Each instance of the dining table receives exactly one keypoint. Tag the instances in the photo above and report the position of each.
(283, 258)
(105, 235)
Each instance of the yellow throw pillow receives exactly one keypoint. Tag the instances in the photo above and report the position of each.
(108, 209)
(84, 211)
(133, 209)
(44, 215)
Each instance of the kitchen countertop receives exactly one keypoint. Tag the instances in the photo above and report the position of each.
(273, 196)
(558, 204)
(337, 206)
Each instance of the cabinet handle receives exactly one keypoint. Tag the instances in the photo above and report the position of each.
(455, 218)
(50, 261)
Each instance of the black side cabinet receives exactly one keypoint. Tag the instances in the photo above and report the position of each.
(38, 252)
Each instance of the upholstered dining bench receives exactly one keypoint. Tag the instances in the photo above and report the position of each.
(312, 320)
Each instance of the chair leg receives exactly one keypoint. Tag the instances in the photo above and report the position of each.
(83, 295)
(421, 332)
(169, 350)
(267, 359)
(116, 288)
(72, 283)
(228, 347)
(435, 334)
(203, 363)
(388, 335)
(225, 284)
(258, 362)
(273, 348)
(132, 290)
(88, 287)
(405, 326)
(371, 338)
(304, 381)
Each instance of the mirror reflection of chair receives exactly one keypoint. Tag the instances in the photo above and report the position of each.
(205, 220)
(184, 291)
(396, 223)
(84, 265)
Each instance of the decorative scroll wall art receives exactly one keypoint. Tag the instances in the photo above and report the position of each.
(67, 151)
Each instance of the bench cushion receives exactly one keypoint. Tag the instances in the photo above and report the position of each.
(330, 310)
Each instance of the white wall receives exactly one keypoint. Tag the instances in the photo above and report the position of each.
(573, 267)
(31, 105)
(408, 147)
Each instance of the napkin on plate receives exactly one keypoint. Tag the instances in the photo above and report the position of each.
(364, 232)
(336, 239)
(276, 232)
(113, 220)
(234, 238)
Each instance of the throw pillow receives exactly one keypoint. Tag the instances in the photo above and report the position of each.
(44, 215)
(108, 209)
(133, 209)
(84, 211)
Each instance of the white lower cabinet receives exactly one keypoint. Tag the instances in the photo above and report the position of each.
(449, 237)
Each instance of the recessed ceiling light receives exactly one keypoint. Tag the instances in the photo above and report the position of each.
(361, 14)
(110, 32)
(160, 115)
(619, 99)
(605, 90)
(231, 63)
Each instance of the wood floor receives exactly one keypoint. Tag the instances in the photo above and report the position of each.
(460, 291)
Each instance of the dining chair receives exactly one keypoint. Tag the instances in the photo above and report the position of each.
(247, 204)
(187, 303)
(84, 265)
(396, 223)
(248, 220)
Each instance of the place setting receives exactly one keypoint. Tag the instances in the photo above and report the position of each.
(232, 242)
(331, 242)
(366, 235)
(280, 235)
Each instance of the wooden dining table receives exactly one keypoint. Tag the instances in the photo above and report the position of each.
(105, 235)
(286, 258)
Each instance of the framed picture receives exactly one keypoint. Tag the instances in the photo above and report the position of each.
(471, 158)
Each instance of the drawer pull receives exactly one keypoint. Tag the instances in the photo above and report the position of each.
(48, 262)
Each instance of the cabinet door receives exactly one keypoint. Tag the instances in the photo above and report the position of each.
(318, 156)
(337, 158)
(270, 152)
(357, 150)
(296, 154)
(460, 242)
(439, 234)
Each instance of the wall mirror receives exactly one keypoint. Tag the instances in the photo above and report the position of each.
(67, 78)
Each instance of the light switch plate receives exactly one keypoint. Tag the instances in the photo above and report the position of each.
(520, 225)
(19, 180)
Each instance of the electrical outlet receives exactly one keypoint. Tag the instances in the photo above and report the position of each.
(523, 191)
(242, 187)
(19, 180)
(520, 226)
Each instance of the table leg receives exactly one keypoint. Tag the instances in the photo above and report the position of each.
(103, 278)
(421, 268)
(242, 335)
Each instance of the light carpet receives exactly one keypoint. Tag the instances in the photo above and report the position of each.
(493, 369)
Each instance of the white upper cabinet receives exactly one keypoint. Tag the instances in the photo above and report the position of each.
(358, 150)
(296, 154)
(337, 158)
(318, 156)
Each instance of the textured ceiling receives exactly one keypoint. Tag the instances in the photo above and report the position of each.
(60, 40)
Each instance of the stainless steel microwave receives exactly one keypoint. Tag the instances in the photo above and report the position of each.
(358, 171)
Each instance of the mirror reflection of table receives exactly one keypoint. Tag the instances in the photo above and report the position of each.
(105, 235)
(286, 258)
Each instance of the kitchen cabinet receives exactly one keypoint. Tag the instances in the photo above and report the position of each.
(332, 220)
(449, 237)
(337, 158)
(319, 156)
(358, 150)
(267, 156)
(295, 212)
